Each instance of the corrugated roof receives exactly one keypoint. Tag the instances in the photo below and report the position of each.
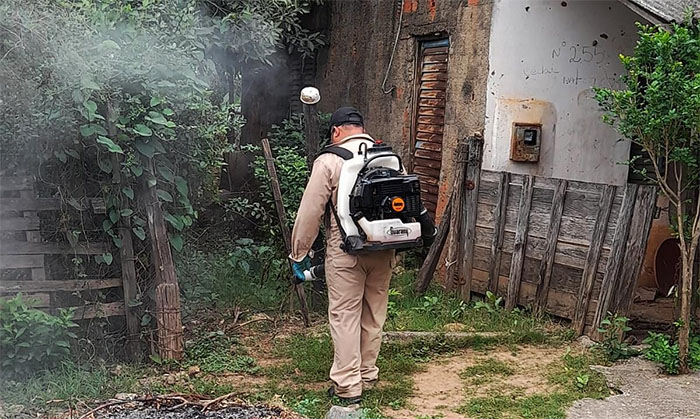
(668, 10)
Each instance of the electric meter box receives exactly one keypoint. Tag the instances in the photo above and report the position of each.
(525, 142)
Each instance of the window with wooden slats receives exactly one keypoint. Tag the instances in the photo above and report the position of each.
(429, 118)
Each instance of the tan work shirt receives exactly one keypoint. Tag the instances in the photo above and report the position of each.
(322, 186)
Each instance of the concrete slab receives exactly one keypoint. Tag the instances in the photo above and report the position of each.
(645, 393)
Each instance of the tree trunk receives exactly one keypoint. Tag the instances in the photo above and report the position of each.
(685, 320)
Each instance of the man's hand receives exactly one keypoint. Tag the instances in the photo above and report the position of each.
(299, 267)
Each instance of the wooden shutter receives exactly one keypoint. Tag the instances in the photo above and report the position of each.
(429, 120)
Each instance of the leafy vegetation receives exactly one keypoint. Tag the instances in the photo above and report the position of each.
(665, 352)
(612, 345)
(658, 110)
(31, 339)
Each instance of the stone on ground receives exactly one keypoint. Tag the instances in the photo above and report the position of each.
(339, 412)
(645, 393)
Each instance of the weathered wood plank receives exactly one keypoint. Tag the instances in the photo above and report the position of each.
(591, 266)
(427, 171)
(615, 260)
(432, 103)
(572, 255)
(21, 261)
(19, 224)
(130, 290)
(282, 215)
(428, 163)
(16, 183)
(14, 247)
(559, 303)
(7, 287)
(428, 111)
(544, 276)
(434, 67)
(427, 145)
(438, 58)
(430, 128)
(430, 155)
(40, 301)
(31, 204)
(470, 206)
(516, 270)
(497, 240)
(434, 94)
(99, 310)
(634, 252)
(427, 270)
(456, 216)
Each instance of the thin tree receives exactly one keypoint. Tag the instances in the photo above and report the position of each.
(660, 110)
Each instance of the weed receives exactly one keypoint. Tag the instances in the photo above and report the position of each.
(491, 303)
(307, 405)
(573, 374)
(663, 351)
(485, 369)
(31, 339)
(582, 381)
(70, 383)
(215, 352)
(612, 346)
(534, 406)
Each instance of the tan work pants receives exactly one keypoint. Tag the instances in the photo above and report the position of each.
(358, 288)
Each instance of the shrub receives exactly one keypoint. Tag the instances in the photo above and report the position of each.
(612, 346)
(664, 351)
(31, 339)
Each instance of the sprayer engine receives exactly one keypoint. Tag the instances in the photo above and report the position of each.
(379, 206)
(382, 193)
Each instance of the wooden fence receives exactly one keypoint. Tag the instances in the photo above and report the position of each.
(572, 249)
(28, 262)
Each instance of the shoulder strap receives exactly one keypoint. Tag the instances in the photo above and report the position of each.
(341, 152)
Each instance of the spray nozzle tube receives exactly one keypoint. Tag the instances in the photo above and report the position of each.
(315, 273)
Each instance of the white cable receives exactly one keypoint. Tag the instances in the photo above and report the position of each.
(393, 51)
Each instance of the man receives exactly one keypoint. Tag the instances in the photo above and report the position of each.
(357, 284)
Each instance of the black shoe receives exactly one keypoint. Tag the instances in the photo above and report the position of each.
(345, 400)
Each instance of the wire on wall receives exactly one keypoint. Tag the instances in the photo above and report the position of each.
(393, 51)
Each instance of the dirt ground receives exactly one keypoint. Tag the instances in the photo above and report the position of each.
(645, 392)
(439, 389)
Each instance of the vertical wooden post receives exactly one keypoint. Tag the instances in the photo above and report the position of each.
(468, 228)
(129, 287)
(615, 259)
(168, 320)
(590, 267)
(313, 137)
(544, 277)
(427, 270)
(34, 236)
(313, 140)
(282, 214)
(636, 246)
(499, 229)
(520, 245)
(455, 215)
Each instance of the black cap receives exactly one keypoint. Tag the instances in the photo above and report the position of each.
(346, 115)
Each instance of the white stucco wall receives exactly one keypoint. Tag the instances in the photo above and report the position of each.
(544, 58)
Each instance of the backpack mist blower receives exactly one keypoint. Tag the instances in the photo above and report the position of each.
(379, 206)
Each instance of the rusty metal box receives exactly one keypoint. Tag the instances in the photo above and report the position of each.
(525, 142)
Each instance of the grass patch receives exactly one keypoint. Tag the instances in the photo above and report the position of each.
(70, 383)
(485, 370)
(215, 352)
(571, 375)
(436, 309)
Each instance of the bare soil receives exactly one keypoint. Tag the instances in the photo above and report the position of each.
(439, 389)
